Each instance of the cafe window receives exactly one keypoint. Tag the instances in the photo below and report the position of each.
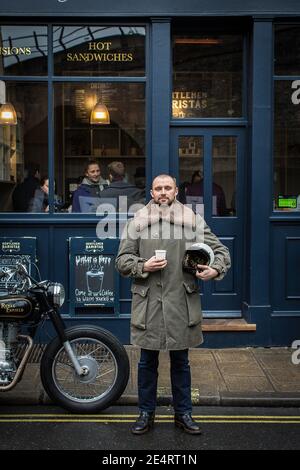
(99, 50)
(287, 146)
(207, 75)
(287, 49)
(23, 50)
(81, 145)
(24, 147)
(192, 178)
(114, 144)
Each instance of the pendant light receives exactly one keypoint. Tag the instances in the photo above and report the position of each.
(8, 115)
(100, 114)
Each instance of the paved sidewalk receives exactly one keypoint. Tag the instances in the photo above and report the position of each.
(241, 377)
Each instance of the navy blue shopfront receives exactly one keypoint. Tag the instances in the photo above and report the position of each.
(225, 124)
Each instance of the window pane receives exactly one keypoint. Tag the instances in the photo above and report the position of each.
(207, 76)
(99, 50)
(24, 149)
(287, 146)
(190, 152)
(287, 50)
(224, 176)
(23, 50)
(77, 141)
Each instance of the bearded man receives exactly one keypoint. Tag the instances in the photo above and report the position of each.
(166, 310)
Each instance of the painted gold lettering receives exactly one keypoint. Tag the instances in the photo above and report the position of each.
(99, 46)
(15, 51)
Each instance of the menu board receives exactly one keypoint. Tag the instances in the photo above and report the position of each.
(13, 251)
(93, 277)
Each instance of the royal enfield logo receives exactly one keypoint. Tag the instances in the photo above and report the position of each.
(94, 247)
(11, 247)
(11, 308)
(16, 308)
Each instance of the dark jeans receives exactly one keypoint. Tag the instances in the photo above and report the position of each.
(180, 380)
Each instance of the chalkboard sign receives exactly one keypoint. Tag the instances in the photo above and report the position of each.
(93, 279)
(12, 251)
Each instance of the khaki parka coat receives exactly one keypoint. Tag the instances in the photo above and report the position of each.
(166, 310)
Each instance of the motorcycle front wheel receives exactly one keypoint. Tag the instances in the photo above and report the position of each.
(101, 354)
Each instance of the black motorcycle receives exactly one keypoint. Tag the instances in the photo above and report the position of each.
(84, 368)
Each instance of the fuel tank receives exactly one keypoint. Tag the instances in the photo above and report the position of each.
(17, 308)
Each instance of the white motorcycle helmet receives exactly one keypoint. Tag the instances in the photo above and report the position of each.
(198, 253)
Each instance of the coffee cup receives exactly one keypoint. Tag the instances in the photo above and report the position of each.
(160, 254)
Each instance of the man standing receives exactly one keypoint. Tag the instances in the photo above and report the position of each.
(166, 310)
(86, 197)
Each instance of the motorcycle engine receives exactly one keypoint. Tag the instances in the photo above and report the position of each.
(8, 343)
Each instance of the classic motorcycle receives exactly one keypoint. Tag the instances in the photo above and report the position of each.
(84, 368)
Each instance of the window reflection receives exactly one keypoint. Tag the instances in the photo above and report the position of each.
(207, 75)
(192, 183)
(287, 146)
(224, 176)
(287, 49)
(23, 50)
(191, 166)
(99, 50)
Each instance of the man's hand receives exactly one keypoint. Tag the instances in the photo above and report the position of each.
(207, 273)
(153, 264)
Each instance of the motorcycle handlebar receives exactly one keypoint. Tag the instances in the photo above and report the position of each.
(20, 269)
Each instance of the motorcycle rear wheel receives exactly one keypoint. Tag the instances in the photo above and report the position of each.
(104, 357)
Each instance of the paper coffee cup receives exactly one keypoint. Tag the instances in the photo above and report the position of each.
(160, 254)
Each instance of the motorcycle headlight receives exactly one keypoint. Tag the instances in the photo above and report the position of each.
(57, 293)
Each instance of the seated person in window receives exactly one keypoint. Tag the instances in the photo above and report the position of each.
(39, 202)
(194, 190)
(119, 187)
(24, 192)
(86, 197)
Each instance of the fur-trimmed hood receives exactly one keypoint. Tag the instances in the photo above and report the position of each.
(176, 214)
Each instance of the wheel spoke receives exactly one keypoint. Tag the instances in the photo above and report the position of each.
(102, 367)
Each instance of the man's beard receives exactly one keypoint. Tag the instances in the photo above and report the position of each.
(166, 203)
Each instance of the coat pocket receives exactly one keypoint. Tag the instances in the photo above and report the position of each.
(193, 303)
(139, 305)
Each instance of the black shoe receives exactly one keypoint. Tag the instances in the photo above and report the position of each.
(186, 422)
(144, 422)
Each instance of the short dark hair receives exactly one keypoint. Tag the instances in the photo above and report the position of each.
(32, 168)
(43, 180)
(116, 169)
(197, 174)
(165, 175)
